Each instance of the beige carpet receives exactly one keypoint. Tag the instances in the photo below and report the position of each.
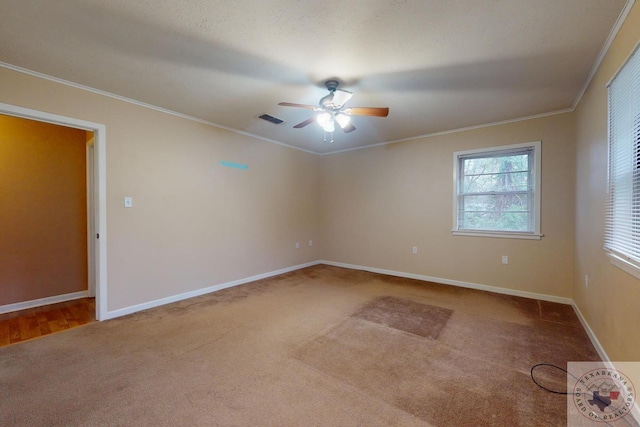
(323, 346)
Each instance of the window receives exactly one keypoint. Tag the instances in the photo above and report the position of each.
(497, 191)
(622, 221)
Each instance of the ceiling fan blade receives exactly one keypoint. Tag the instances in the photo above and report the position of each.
(348, 128)
(367, 111)
(340, 97)
(291, 104)
(305, 123)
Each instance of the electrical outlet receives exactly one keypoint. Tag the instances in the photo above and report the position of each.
(586, 280)
(128, 202)
(414, 250)
(310, 242)
(505, 259)
(297, 245)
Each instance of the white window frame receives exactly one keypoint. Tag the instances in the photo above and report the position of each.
(621, 240)
(535, 234)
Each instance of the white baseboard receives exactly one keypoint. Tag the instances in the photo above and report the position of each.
(495, 289)
(151, 304)
(42, 301)
(592, 336)
(544, 297)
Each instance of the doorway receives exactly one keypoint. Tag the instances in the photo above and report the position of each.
(96, 197)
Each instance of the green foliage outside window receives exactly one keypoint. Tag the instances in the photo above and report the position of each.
(495, 193)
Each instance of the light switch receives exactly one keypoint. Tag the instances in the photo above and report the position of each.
(128, 202)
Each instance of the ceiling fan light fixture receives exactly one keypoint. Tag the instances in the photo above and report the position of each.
(325, 121)
(343, 120)
(330, 126)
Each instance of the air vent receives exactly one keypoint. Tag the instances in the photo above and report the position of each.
(271, 119)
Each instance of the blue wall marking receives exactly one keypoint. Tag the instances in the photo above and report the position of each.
(234, 165)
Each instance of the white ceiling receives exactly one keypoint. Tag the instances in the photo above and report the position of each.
(438, 65)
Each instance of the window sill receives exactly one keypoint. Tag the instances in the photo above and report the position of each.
(498, 234)
(624, 265)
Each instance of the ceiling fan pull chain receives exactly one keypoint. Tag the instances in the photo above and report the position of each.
(331, 137)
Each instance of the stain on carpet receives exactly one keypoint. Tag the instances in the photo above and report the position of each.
(437, 384)
(405, 315)
(516, 346)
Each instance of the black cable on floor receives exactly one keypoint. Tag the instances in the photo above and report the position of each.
(551, 366)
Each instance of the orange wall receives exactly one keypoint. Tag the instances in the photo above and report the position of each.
(43, 218)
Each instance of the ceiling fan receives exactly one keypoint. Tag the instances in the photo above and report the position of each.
(331, 110)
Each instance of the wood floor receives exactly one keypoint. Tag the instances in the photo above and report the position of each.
(24, 325)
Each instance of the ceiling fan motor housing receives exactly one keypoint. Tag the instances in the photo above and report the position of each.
(331, 85)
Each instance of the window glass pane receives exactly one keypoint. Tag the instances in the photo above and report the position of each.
(508, 181)
(498, 203)
(506, 212)
(506, 221)
(497, 164)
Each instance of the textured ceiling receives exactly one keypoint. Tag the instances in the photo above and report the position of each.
(438, 65)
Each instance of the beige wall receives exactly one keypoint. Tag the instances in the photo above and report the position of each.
(194, 223)
(379, 202)
(43, 217)
(611, 304)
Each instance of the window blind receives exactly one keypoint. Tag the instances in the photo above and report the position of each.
(622, 220)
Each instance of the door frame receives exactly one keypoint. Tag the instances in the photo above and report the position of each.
(99, 190)
(91, 220)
